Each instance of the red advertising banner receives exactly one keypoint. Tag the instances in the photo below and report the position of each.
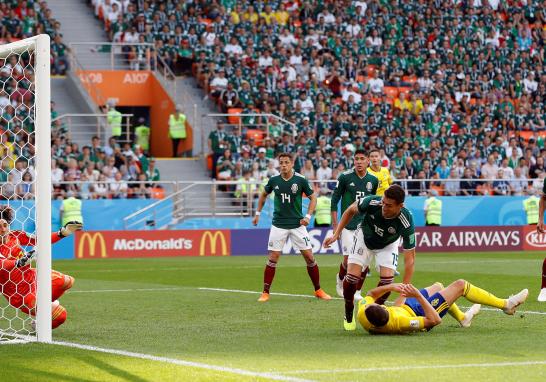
(532, 240)
(160, 243)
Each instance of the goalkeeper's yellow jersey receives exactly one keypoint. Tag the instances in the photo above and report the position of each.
(401, 319)
(384, 177)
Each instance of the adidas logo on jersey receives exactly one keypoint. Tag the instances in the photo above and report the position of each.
(352, 184)
(276, 187)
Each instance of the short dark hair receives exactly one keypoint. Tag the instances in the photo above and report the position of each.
(6, 213)
(377, 315)
(362, 152)
(396, 193)
(373, 151)
(285, 155)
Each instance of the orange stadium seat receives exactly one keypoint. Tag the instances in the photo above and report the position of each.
(258, 135)
(404, 89)
(233, 119)
(158, 193)
(409, 79)
(391, 91)
(370, 69)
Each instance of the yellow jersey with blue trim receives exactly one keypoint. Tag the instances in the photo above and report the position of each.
(401, 319)
(384, 177)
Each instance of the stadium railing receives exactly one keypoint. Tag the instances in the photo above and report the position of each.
(82, 127)
(226, 198)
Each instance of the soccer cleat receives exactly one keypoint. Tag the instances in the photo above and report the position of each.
(358, 296)
(339, 286)
(349, 326)
(514, 301)
(469, 315)
(264, 297)
(542, 295)
(322, 295)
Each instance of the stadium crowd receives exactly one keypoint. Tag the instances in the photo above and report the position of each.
(26, 18)
(446, 89)
(100, 169)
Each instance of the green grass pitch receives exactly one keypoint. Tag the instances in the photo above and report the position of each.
(155, 307)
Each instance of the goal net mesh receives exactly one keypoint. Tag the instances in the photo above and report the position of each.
(17, 187)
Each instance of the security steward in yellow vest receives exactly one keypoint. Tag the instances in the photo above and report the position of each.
(245, 186)
(71, 210)
(323, 215)
(177, 128)
(433, 210)
(530, 205)
(142, 135)
(114, 120)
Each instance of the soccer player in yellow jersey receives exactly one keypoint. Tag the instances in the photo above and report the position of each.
(381, 173)
(424, 309)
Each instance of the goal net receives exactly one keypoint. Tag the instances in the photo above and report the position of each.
(25, 187)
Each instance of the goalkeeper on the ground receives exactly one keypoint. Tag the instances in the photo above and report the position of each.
(18, 279)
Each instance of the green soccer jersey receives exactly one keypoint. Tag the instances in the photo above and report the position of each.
(350, 188)
(288, 199)
(380, 232)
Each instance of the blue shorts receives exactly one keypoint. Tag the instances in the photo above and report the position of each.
(436, 300)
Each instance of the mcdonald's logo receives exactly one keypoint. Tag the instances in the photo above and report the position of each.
(212, 239)
(92, 239)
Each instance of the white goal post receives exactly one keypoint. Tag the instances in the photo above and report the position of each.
(37, 52)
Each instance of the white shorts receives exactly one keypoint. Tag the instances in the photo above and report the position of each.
(347, 241)
(385, 257)
(298, 236)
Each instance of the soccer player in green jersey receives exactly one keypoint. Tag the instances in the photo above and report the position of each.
(352, 185)
(288, 221)
(384, 221)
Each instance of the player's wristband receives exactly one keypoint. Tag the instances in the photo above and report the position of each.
(258, 213)
(308, 217)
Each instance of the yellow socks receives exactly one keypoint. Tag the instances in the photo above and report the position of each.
(455, 312)
(480, 296)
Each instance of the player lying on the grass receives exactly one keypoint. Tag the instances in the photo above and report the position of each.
(424, 309)
(384, 220)
(288, 221)
(352, 185)
(540, 229)
(18, 279)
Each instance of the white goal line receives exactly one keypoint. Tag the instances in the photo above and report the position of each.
(181, 362)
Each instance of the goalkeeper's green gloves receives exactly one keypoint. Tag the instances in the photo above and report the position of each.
(25, 259)
(69, 228)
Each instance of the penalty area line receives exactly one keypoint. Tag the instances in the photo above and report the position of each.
(180, 362)
(417, 367)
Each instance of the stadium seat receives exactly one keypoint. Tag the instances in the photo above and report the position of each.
(391, 91)
(257, 135)
(158, 193)
(233, 119)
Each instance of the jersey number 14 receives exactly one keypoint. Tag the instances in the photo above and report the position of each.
(285, 197)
